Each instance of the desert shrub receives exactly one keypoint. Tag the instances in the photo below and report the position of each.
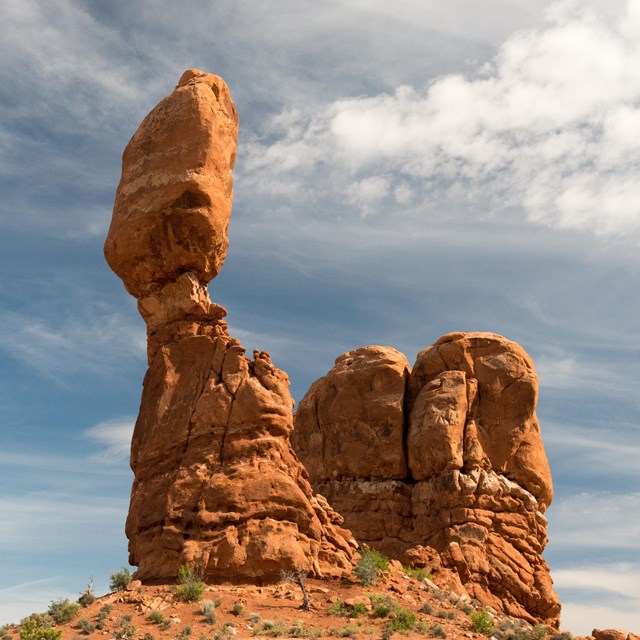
(87, 597)
(34, 628)
(125, 629)
(4, 632)
(370, 565)
(120, 579)
(437, 631)
(465, 607)
(237, 609)
(419, 574)
(102, 616)
(516, 629)
(271, 629)
(253, 618)
(481, 622)
(538, 632)
(148, 636)
(343, 610)
(166, 623)
(298, 577)
(189, 586)
(565, 635)
(185, 633)
(402, 619)
(63, 611)
(446, 615)
(426, 608)
(156, 617)
(86, 627)
(382, 605)
(348, 631)
(208, 610)
(299, 630)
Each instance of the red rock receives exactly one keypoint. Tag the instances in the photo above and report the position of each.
(476, 478)
(609, 634)
(217, 484)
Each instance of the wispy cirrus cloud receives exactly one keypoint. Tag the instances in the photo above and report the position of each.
(527, 132)
(114, 439)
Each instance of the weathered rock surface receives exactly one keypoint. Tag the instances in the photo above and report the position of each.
(464, 473)
(217, 483)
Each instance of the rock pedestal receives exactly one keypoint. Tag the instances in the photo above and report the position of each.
(217, 484)
(445, 456)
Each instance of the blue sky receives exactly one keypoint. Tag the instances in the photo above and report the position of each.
(404, 169)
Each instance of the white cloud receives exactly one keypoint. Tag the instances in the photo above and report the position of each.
(114, 436)
(20, 600)
(589, 521)
(546, 128)
(608, 596)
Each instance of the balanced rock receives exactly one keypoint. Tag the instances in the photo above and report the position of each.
(459, 463)
(217, 484)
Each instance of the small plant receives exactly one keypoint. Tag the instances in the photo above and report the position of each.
(370, 565)
(298, 630)
(148, 636)
(465, 607)
(253, 618)
(538, 632)
(166, 623)
(87, 597)
(421, 627)
(565, 635)
(271, 629)
(185, 633)
(125, 630)
(402, 619)
(4, 632)
(31, 628)
(208, 610)
(348, 631)
(120, 579)
(87, 627)
(419, 574)
(382, 606)
(437, 631)
(343, 610)
(102, 616)
(189, 587)
(481, 621)
(237, 609)
(298, 577)
(156, 617)
(426, 608)
(63, 611)
(446, 615)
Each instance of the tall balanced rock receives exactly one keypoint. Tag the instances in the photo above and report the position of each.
(217, 483)
(459, 462)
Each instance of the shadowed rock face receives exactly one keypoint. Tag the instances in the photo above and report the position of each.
(456, 462)
(217, 483)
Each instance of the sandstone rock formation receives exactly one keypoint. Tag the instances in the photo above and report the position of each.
(455, 462)
(217, 483)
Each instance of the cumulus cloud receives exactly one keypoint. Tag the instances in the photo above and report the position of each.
(546, 128)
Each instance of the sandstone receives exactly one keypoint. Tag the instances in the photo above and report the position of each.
(609, 634)
(464, 477)
(217, 484)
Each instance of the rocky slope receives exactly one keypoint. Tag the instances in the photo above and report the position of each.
(446, 456)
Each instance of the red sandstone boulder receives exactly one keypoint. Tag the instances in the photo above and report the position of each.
(217, 484)
(477, 479)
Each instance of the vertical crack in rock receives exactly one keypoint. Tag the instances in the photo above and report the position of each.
(216, 482)
(471, 441)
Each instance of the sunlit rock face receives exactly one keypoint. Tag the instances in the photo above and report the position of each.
(446, 455)
(217, 484)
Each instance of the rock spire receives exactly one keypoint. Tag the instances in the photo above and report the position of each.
(217, 484)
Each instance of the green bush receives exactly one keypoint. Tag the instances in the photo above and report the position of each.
(120, 579)
(348, 631)
(419, 574)
(237, 609)
(271, 629)
(125, 630)
(343, 610)
(370, 565)
(465, 607)
(437, 631)
(208, 610)
(189, 587)
(382, 605)
(481, 622)
(426, 608)
(63, 611)
(87, 627)
(446, 615)
(32, 629)
(156, 617)
(402, 620)
(102, 616)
